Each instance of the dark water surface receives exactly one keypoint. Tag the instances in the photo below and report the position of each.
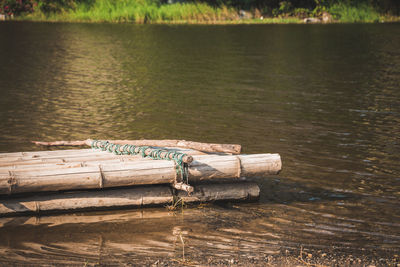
(326, 97)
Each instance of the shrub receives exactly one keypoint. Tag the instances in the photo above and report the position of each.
(16, 7)
(57, 6)
(349, 13)
(301, 12)
(285, 7)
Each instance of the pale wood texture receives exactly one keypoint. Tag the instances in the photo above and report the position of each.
(183, 187)
(132, 197)
(29, 158)
(148, 151)
(110, 172)
(207, 147)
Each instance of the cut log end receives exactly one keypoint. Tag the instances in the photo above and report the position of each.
(183, 187)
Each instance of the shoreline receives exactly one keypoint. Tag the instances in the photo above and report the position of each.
(201, 13)
(265, 21)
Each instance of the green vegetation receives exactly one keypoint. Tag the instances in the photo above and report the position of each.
(360, 13)
(202, 11)
(142, 11)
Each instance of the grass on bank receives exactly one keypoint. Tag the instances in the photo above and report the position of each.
(144, 11)
(151, 11)
(350, 14)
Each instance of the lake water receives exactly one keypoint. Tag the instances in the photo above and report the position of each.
(326, 97)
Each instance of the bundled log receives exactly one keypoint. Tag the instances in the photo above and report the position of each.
(72, 153)
(145, 171)
(207, 147)
(118, 198)
(34, 160)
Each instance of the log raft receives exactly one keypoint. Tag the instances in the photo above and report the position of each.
(113, 173)
(145, 181)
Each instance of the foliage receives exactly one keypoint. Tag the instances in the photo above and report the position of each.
(354, 13)
(320, 7)
(301, 12)
(203, 11)
(285, 7)
(48, 6)
(276, 7)
(16, 7)
(141, 11)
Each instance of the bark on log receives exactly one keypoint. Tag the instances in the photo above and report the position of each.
(140, 196)
(73, 152)
(21, 160)
(79, 155)
(137, 173)
(207, 147)
(119, 198)
(215, 192)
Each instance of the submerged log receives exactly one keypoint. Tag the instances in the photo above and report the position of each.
(207, 147)
(119, 198)
(117, 174)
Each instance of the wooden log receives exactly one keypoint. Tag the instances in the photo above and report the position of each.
(4, 157)
(186, 158)
(137, 173)
(222, 167)
(140, 196)
(119, 198)
(228, 191)
(207, 147)
(124, 174)
(52, 166)
(39, 154)
(69, 161)
(45, 162)
(87, 155)
(59, 159)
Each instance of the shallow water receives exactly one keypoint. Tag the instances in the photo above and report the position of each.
(326, 97)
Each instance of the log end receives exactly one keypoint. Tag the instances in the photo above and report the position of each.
(187, 159)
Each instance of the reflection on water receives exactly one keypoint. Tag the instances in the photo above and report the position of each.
(326, 97)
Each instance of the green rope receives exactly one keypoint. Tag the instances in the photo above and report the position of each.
(181, 167)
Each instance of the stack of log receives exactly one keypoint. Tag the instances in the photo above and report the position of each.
(83, 179)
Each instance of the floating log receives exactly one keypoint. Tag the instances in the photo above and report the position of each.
(207, 147)
(4, 157)
(145, 171)
(226, 191)
(119, 198)
(69, 158)
(73, 158)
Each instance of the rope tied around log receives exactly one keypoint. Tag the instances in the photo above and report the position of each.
(181, 167)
